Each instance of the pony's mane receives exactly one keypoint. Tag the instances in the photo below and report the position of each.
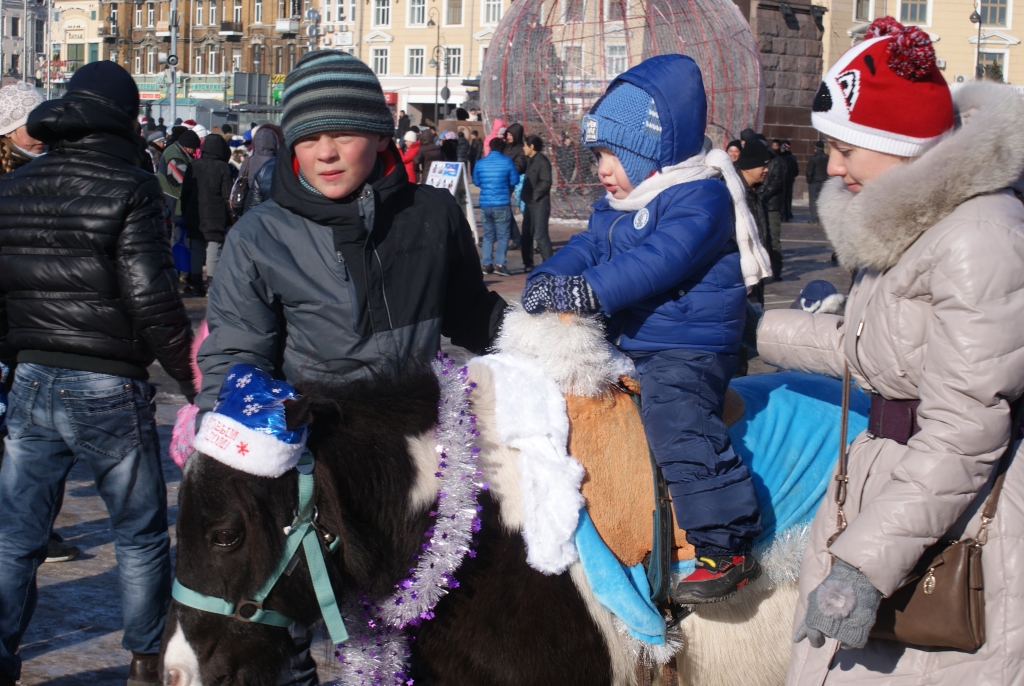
(359, 431)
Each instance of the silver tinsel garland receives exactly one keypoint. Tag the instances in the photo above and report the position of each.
(377, 651)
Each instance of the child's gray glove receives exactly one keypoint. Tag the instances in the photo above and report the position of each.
(843, 607)
(754, 316)
(561, 294)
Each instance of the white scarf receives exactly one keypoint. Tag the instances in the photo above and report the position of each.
(754, 261)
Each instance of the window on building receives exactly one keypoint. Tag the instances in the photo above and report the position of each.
(150, 60)
(615, 10)
(199, 12)
(150, 14)
(76, 55)
(237, 14)
(138, 15)
(415, 67)
(197, 63)
(453, 61)
(94, 52)
(138, 61)
(453, 17)
(113, 13)
(40, 41)
(381, 12)
(991, 66)
(278, 60)
(15, 27)
(993, 12)
(417, 12)
(257, 13)
(380, 61)
(213, 12)
(572, 10)
(914, 11)
(291, 57)
(492, 11)
(213, 59)
(573, 57)
(862, 10)
(236, 59)
(615, 60)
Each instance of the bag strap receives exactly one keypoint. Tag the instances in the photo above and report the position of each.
(842, 478)
(988, 512)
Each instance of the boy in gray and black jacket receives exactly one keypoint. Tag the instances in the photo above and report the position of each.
(349, 264)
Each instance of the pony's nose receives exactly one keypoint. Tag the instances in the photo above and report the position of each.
(176, 678)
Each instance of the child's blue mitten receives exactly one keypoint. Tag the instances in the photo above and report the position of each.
(561, 294)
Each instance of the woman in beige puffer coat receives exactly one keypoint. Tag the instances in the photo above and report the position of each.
(936, 313)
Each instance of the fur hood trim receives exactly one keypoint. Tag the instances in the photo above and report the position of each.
(984, 155)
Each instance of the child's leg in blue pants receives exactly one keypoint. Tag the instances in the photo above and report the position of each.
(682, 396)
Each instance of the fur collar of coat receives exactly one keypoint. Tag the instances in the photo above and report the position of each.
(983, 155)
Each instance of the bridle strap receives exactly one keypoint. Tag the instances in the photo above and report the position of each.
(301, 533)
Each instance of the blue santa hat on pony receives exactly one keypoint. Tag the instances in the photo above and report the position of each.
(247, 429)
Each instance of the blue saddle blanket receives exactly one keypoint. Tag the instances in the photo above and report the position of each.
(788, 438)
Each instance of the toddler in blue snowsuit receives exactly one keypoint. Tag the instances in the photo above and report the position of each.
(660, 261)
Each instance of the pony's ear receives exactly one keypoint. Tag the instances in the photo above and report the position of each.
(311, 409)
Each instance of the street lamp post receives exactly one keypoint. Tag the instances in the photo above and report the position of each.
(979, 71)
(434, 60)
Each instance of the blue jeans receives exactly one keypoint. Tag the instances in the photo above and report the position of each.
(55, 417)
(682, 395)
(497, 221)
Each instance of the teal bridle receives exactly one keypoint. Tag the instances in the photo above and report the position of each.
(304, 532)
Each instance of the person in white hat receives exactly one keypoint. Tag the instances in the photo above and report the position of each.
(17, 148)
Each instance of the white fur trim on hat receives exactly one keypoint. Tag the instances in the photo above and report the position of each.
(245, 449)
(16, 102)
(200, 131)
(863, 137)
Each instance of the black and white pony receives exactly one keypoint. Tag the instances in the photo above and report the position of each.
(505, 623)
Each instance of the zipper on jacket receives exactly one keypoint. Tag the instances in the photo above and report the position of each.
(341, 261)
(383, 286)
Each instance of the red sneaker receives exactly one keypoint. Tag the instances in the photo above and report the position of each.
(716, 578)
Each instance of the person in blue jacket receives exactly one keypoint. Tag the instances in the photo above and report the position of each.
(661, 260)
(496, 175)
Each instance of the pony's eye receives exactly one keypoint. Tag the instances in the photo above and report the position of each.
(225, 539)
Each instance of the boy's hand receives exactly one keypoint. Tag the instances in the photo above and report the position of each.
(561, 294)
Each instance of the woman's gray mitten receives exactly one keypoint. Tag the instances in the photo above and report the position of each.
(561, 294)
(843, 606)
(754, 316)
(538, 294)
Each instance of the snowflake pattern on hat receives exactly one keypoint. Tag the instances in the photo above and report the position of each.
(16, 102)
(247, 429)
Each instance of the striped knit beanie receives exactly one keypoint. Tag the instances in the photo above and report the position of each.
(331, 90)
(626, 122)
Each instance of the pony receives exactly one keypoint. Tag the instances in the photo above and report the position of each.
(505, 624)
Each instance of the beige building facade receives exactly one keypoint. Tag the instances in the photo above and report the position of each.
(949, 24)
(419, 47)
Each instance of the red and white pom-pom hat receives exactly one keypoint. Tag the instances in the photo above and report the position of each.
(886, 94)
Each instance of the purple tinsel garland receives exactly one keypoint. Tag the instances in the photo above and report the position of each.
(377, 651)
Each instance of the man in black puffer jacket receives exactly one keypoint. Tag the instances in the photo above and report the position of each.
(205, 202)
(87, 291)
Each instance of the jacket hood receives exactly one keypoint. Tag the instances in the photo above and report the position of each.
(518, 134)
(216, 148)
(86, 121)
(496, 126)
(675, 83)
(426, 136)
(265, 142)
(985, 154)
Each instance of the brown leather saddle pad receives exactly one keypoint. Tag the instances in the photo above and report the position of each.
(607, 437)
